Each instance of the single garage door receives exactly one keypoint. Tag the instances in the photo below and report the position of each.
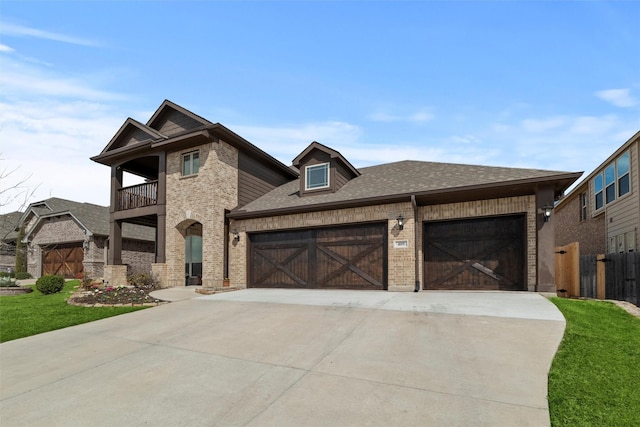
(353, 257)
(475, 254)
(63, 260)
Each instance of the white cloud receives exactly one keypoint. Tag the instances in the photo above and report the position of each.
(419, 116)
(5, 48)
(17, 30)
(533, 125)
(618, 97)
(20, 79)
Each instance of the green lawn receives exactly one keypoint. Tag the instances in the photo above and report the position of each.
(595, 376)
(34, 313)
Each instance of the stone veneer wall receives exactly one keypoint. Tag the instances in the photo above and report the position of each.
(401, 262)
(491, 207)
(199, 198)
(401, 272)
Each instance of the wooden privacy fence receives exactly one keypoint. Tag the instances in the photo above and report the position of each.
(614, 276)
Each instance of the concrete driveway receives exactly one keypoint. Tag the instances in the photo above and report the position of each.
(292, 358)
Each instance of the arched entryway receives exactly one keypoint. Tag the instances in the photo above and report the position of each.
(193, 254)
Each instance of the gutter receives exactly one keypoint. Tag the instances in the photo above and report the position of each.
(414, 204)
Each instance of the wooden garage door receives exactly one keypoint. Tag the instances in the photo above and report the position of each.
(63, 260)
(353, 257)
(475, 254)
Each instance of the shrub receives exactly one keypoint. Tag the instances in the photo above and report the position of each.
(7, 281)
(50, 284)
(4, 274)
(21, 275)
(142, 281)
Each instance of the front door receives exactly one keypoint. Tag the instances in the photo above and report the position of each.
(193, 255)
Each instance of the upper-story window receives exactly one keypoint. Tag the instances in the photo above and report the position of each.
(583, 206)
(317, 176)
(614, 182)
(597, 188)
(190, 163)
(622, 165)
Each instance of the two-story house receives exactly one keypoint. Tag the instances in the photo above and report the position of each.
(223, 208)
(602, 213)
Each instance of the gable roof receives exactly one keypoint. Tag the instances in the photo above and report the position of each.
(93, 218)
(333, 154)
(394, 182)
(121, 148)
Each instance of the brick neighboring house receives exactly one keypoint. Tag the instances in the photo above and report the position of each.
(69, 238)
(8, 235)
(223, 208)
(602, 213)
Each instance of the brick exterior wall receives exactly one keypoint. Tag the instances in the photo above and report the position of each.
(482, 208)
(199, 198)
(590, 234)
(401, 262)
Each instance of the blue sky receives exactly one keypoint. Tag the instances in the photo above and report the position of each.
(541, 84)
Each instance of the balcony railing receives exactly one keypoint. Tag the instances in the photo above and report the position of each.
(138, 196)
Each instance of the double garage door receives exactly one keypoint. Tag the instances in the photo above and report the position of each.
(352, 257)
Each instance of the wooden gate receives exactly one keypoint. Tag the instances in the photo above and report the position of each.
(63, 260)
(475, 254)
(353, 257)
(567, 268)
(622, 277)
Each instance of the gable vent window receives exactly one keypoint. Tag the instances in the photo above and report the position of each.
(583, 206)
(317, 176)
(190, 163)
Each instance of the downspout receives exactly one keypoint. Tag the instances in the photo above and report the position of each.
(415, 244)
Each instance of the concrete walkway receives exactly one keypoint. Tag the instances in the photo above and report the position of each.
(289, 357)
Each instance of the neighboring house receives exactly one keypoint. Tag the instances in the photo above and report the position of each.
(70, 239)
(8, 234)
(602, 213)
(223, 208)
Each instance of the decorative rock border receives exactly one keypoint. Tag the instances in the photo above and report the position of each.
(14, 290)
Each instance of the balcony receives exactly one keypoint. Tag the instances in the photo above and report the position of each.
(137, 196)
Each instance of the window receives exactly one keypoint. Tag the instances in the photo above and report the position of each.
(623, 174)
(583, 206)
(630, 237)
(597, 188)
(610, 183)
(190, 163)
(612, 245)
(317, 176)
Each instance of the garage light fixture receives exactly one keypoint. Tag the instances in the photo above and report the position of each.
(400, 222)
(236, 235)
(546, 212)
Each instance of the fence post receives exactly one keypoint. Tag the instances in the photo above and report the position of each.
(601, 277)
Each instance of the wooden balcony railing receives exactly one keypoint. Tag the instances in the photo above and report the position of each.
(138, 196)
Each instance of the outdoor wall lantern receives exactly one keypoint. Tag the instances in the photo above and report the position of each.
(236, 235)
(400, 222)
(546, 212)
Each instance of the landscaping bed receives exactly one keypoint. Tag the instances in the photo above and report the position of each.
(99, 296)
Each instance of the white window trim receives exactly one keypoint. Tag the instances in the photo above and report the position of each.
(317, 166)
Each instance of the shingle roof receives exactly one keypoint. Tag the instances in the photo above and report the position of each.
(94, 217)
(8, 224)
(399, 178)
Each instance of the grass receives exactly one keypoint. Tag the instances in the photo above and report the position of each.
(35, 313)
(595, 376)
